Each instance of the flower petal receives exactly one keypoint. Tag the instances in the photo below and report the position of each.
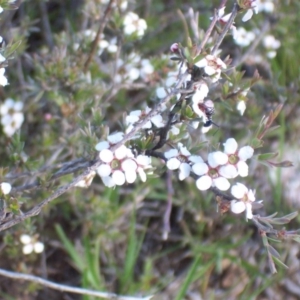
(171, 153)
(116, 137)
(237, 207)
(102, 145)
(249, 214)
(121, 152)
(217, 158)
(221, 183)
(38, 247)
(173, 163)
(245, 153)
(239, 190)
(106, 155)
(108, 181)
(5, 187)
(104, 170)
(130, 176)
(204, 183)
(230, 146)
(25, 239)
(248, 15)
(118, 177)
(228, 171)
(184, 171)
(200, 168)
(242, 168)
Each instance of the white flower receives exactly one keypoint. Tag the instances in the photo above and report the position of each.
(134, 68)
(3, 79)
(236, 159)
(242, 37)
(5, 188)
(133, 24)
(209, 172)
(212, 66)
(245, 200)
(31, 244)
(1, 9)
(251, 5)
(137, 115)
(271, 44)
(181, 159)
(265, 5)
(11, 116)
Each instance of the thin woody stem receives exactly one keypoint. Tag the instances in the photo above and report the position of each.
(66, 288)
(226, 29)
(98, 35)
(211, 27)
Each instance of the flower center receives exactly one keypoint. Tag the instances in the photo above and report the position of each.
(115, 164)
(182, 158)
(213, 173)
(233, 159)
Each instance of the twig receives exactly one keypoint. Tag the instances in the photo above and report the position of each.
(210, 28)
(37, 209)
(226, 28)
(66, 288)
(265, 28)
(167, 214)
(98, 35)
(208, 33)
(46, 24)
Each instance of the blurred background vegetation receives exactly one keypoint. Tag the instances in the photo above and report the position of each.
(111, 239)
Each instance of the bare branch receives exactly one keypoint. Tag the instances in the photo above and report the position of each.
(99, 32)
(66, 288)
(226, 29)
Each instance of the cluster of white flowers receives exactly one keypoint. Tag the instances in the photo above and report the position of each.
(31, 244)
(11, 116)
(121, 4)
(267, 6)
(120, 166)
(134, 68)
(137, 115)
(220, 166)
(5, 188)
(87, 36)
(242, 37)
(133, 24)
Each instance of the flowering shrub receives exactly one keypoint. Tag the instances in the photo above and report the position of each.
(131, 118)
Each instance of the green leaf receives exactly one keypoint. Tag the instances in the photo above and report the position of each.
(266, 156)
(279, 262)
(189, 278)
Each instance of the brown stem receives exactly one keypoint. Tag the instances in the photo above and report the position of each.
(226, 29)
(98, 35)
